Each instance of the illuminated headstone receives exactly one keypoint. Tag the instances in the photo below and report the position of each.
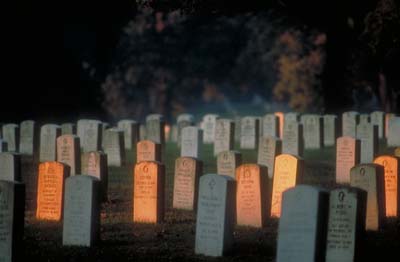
(90, 134)
(81, 223)
(392, 184)
(288, 173)
(349, 123)
(281, 120)
(224, 136)
(251, 195)
(331, 131)
(347, 156)
(95, 164)
(68, 129)
(293, 142)
(312, 131)
(12, 204)
(227, 162)
(48, 142)
(393, 136)
(186, 183)
(183, 120)
(302, 226)
(208, 126)
(50, 193)
(148, 192)
(11, 136)
(147, 150)
(114, 146)
(370, 178)
(192, 142)
(131, 132)
(69, 152)
(28, 138)
(346, 224)
(270, 125)
(269, 147)
(378, 119)
(215, 215)
(10, 167)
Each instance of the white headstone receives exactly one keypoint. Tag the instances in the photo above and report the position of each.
(224, 136)
(249, 132)
(208, 125)
(81, 225)
(227, 162)
(367, 133)
(302, 225)
(293, 142)
(28, 141)
(10, 167)
(11, 136)
(349, 123)
(192, 142)
(378, 119)
(269, 148)
(312, 131)
(330, 130)
(393, 136)
(90, 134)
(270, 125)
(95, 164)
(48, 142)
(69, 152)
(131, 132)
(215, 215)
(68, 129)
(114, 147)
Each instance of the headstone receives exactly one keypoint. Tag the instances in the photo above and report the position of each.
(81, 225)
(378, 119)
(12, 204)
(95, 164)
(388, 116)
(155, 130)
(186, 183)
(270, 125)
(292, 117)
(312, 131)
(3, 146)
(192, 142)
(148, 192)
(10, 167)
(288, 173)
(68, 129)
(69, 152)
(347, 156)
(249, 132)
(50, 193)
(90, 134)
(331, 130)
(148, 151)
(364, 119)
(251, 195)
(369, 177)
(104, 127)
(224, 136)
(293, 142)
(393, 136)
(183, 120)
(215, 215)
(302, 226)
(11, 136)
(114, 147)
(48, 142)
(349, 123)
(269, 148)
(208, 125)
(28, 137)
(281, 120)
(346, 224)
(131, 132)
(392, 184)
(227, 162)
(367, 133)
(142, 132)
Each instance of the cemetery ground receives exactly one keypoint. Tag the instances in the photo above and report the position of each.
(123, 240)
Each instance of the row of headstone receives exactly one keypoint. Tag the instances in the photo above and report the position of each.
(317, 225)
